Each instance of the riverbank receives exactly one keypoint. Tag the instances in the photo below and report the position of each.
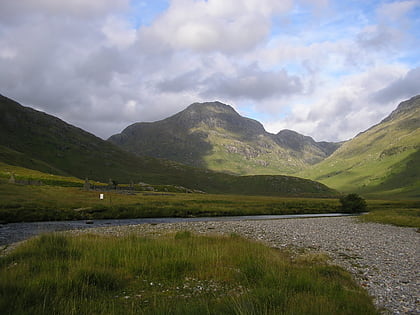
(16, 232)
(382, 258)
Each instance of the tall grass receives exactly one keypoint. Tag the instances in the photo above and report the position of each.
(176, 274)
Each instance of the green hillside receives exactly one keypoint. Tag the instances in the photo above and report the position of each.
(214, 136)
(39, 141)
(383, 161)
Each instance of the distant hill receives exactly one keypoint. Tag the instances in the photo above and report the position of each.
(214, 136)
(382, 161)
(39, 141)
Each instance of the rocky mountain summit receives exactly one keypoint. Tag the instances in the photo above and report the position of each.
(213, 135)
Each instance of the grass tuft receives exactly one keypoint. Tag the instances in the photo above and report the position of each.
(181, 273)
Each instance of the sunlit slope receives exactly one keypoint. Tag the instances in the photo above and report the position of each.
(18, 174)
(214, 136)
(382, 161)
(36, 140)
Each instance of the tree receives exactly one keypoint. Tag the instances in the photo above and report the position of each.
(353, 203)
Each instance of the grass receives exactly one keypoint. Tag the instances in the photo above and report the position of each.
(62, 198)
(398, 217)
(382, 162)
(178, 273)
(267, 163)
(41, 203)
(22, 174)
(48, 203)
(395, 212)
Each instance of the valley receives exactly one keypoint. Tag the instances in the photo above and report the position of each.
(381, 162)
(52, 171)
(42, 142)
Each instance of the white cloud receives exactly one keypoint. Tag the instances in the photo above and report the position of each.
(394, 11)
(343, 108)
(217, 25)
(119, 32)
(308, 71)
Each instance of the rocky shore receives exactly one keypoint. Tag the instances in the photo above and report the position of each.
(382, 258)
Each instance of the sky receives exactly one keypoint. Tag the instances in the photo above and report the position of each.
(324, 68)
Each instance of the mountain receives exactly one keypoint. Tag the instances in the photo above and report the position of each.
(39, 141)
(214, 136)
(382, 161)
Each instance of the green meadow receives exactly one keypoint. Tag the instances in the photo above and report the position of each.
(178, 273)
(63, 198)
(40, 203)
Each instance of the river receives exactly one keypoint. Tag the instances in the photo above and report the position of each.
(15, 232)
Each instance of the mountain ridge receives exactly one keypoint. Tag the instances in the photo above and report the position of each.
(36, 140)
(213, 135)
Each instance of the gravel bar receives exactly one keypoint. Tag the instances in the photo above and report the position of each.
(382, 258)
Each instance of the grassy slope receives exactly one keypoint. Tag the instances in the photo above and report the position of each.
(214, 136)
(174, 274)
(248, 157)
(22, 173)
(381, 162)
(33, 139)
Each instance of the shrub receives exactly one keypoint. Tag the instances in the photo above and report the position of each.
(353, 203)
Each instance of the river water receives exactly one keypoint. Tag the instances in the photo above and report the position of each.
(15, 232)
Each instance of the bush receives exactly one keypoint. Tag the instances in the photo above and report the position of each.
(353, 203)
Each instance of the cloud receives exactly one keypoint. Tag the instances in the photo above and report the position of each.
(402, 88)
(343, 108)
(118, 32)
(253, 83)
(103, 64)
(217, 25)
(13, 11)
(188, 81)
(394, 11)
(307, 66)
(390, 29)
(378, 37)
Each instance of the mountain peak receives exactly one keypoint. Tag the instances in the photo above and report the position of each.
(215, 136)
(213, 115)
(215, 106)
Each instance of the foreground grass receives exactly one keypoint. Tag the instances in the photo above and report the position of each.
(175, 274)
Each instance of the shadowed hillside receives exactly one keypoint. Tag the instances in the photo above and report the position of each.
(214, 136)
(40, 141)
